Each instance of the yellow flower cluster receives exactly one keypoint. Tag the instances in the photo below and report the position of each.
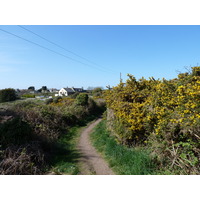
(158, 107)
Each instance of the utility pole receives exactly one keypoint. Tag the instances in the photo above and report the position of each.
(120, 77)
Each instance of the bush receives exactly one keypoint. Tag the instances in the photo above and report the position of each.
(14, 131)
(163, 114)
(82, 99)
(22, 160)
(7, 95)
(57, 99)
(69, 119)
(48, 101)
(73, 96)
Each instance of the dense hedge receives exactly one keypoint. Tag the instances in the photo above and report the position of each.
(164, 114)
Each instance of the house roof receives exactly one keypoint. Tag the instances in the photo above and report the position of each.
(77, 89)
(69, 90)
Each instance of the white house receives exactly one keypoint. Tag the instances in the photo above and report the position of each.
(68, 91)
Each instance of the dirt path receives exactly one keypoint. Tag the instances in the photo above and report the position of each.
(91, 162)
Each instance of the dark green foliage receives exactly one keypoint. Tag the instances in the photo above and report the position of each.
(15, 132)
(44, 88)
(82, 99)
(7, 95)
(96, 107)
(69, 119)
(73, 96)
(57, 99)
(48, 101)
(32, 88)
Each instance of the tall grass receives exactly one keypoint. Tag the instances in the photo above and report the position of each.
(123, 160)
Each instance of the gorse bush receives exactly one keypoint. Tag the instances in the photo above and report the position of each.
(164, 114)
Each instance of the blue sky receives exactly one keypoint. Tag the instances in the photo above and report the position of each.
(143, 51)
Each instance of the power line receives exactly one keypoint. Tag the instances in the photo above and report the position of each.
(49, 49)
(63, 48)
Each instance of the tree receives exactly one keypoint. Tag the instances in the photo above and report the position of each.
(8, 94)
(32, 88)
(44, 87)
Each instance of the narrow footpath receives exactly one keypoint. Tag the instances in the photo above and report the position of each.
(91, 162)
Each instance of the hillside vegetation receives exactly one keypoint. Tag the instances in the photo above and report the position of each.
(161, 115)
(35, 137)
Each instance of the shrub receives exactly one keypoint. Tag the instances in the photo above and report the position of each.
(22, 160)
(14, 131)
(82, 99)
(73, 96)
(163, 114)
(7, 95)
(57, 99)
(48, 101)
(69, 119)
(30, 132)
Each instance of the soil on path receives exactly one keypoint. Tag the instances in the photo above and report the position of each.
(91, 162)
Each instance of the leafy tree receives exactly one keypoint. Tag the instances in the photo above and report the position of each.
(31, 88)
(8, 94)
(44, 87)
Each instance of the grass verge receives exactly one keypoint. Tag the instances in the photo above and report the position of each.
(123, 160)
(65, 159)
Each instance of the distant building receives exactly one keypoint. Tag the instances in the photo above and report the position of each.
(53, 90)
(78, 89)
(68, 91)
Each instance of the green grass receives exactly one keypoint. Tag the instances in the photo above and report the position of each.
(66, 156)
(123, 160)
(65, 159)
